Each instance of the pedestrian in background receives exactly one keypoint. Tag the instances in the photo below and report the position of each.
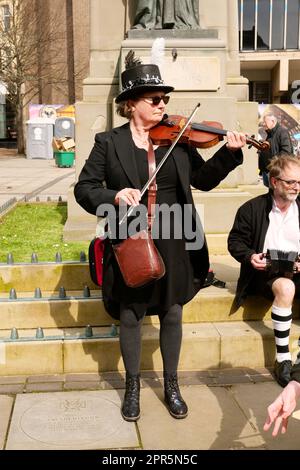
(280, 143)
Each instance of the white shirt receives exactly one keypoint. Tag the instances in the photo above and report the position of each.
(283, 232)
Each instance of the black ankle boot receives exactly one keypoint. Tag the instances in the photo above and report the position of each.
(131, 404)
(175, 403)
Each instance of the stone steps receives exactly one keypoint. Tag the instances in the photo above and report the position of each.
(46, 276)
(204, 346)
(212, 337)
(210, 305)
(74, 276)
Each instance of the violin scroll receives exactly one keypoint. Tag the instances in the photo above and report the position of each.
(259, 145)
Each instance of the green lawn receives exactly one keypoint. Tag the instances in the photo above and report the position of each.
(37, 228)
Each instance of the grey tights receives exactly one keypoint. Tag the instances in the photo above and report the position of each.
(170, 339)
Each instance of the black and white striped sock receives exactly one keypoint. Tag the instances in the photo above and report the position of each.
(282, 320)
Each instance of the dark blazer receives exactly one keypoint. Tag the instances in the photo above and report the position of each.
(247, 237)
(280, 142)
(295, 372)
(111, 167)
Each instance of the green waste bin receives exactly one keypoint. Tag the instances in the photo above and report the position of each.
(64, 159)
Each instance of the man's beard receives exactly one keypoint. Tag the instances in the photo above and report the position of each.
(291, 197)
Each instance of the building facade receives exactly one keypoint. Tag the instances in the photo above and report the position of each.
(269, 44)
(268, 37)
(62, 54)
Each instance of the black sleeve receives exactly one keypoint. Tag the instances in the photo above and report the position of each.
(208, 174)
(240, 238)
(90, 190)
(264, 157)
(295, 372)
(285, 142)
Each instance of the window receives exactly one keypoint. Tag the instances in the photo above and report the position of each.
(269, 24)
(6, 17)
(263, 25)
(278, 24)
(261, 92)
(292, 27)
(248, 9)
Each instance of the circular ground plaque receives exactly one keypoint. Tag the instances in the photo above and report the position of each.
(72, 419)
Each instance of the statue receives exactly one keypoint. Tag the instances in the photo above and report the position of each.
(167, 14)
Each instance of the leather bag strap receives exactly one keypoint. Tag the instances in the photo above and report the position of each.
(152, 188)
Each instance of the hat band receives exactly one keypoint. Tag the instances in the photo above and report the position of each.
(147, 80)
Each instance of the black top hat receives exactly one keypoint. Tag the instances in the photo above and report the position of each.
(138, 77)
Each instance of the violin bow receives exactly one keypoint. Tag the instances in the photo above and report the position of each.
(146, 186)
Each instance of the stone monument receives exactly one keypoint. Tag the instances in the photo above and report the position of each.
(166, 14)
(201, 61)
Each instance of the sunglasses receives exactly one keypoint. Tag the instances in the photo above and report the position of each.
(155, 100)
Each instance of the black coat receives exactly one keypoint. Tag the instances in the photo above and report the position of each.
(247, 237)
(295, 373)
(280, 142)
(111, 167)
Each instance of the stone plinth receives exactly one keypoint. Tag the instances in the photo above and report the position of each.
(172, 33)
(202, 65)
(194, 65)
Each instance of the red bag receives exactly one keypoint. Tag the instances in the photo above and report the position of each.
(139, 260)
(96, 251)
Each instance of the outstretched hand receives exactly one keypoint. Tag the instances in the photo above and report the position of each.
(282, 407)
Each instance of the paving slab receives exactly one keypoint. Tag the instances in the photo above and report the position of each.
(254, 400)
(6, 404)
(70, 420)
(215, 421)
(22, 177)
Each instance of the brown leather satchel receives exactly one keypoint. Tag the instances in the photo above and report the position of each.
(138, 258)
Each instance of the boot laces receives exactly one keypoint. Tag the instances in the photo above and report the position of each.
(132, 388)
(172, 386)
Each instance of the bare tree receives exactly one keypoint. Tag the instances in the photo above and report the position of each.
(31, 55)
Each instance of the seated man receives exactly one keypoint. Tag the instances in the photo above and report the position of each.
(271, 222)
(283, 406)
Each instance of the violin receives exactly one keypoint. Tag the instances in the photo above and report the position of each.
(203, 135)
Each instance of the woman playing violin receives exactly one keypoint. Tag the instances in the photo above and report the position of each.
(114, 173)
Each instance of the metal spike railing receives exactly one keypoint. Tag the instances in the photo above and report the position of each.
(13, 296)
(40, 336)
(37, 293)
(34, 259)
